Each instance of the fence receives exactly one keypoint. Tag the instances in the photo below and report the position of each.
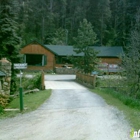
(86, 79)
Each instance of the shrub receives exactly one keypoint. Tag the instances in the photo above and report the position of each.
(127, 100)
(1, 109)
(4, 100)
(31, 83)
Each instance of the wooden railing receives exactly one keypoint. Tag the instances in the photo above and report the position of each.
(86, 79)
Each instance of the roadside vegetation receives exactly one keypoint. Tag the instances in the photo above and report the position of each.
(30, 82)
(115, 95)
(123, 90)
(33, 96)
(31, 102)
(27, 84)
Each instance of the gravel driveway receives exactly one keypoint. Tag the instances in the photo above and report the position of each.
(71, 113)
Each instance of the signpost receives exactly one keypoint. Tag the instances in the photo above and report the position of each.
(20, 66)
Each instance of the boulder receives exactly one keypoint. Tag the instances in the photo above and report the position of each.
(31, 91)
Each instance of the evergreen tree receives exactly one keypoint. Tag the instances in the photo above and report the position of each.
(131, 61)
(112, 19)
(60, 37)
(85, 38)
(10, 41)
(99, 14)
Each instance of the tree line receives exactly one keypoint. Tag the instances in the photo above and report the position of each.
(57, 21)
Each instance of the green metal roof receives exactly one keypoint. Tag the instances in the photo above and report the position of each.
(68, 51)
(109, 51)
(2, 73)
(62, 50)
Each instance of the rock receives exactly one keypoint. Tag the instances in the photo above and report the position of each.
(7, 92)
(5, 83)
(8, 79)
(35, 90)
(30, 87)
(10, 109)
(31, 91)
(2, 92)
(0, 85)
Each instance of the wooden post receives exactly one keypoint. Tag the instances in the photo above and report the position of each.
(42, 80)
(94, 81)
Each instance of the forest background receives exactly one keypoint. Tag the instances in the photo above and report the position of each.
(57, 21)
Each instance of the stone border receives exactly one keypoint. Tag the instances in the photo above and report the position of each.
(5, 81)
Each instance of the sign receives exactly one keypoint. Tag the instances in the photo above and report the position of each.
(20, 66)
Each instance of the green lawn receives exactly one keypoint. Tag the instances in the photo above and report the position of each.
(31, 102)
(132, 113)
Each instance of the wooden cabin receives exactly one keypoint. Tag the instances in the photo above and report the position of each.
(47, 57)
(38, 57)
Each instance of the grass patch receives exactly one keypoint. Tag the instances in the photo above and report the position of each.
(31, 102)
(129, 106)
(109, 81)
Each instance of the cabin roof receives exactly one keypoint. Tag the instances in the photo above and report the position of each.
(103, 51)
(64, 50)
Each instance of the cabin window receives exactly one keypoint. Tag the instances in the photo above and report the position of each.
(63, 60)
(58, 60)
(35, 59)
(66, 60)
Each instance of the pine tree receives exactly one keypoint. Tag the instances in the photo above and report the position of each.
(86, 37)
(60, 37)
(131, 61)
(10, 41)
(8, 31)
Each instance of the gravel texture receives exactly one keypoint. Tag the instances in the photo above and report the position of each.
(71, 113)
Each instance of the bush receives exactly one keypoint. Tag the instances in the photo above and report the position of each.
(127, 100)
(27, 83)
(98, 82)
(119, 83)
(32, 83)
(4, 100)
(1, 109)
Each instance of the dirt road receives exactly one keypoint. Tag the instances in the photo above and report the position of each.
(71, 113)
